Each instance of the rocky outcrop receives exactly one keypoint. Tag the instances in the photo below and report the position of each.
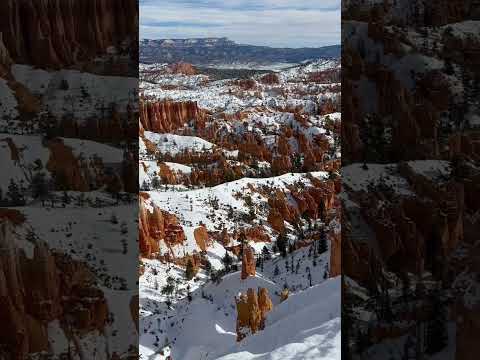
(248, 262)
(73, 172)
(155, 226)
(110, 127)
(281, 164)
(279, 203)
(335, 238)
(275, 220)
(14, 151)
(264, 304)
(52, 33)
(316, 201)
(66, 168)
(257, 234)
(183, 69)
(416, 233)
(252, 309)
(168, 116)
(201, 237)
(13, 216)
(40, 287)
(166, 174)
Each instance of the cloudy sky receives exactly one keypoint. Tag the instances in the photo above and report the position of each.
(284, 23)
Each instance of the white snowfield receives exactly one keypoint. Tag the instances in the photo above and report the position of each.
(81, 93)
(197, 320)
(30, 150)
(304, 327)
(175, 144)
(357, 178)
(150, 169)
(222, 96)
(33, 155)
(194, 208)
(101, 248)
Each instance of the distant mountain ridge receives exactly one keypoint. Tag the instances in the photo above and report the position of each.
(208, 51)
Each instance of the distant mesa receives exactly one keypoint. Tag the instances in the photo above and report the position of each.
(221, 50)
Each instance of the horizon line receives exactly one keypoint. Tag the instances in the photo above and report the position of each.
(238, 43)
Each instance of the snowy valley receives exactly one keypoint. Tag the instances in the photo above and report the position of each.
(239, 216)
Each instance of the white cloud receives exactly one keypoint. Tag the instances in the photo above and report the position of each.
(266, 22)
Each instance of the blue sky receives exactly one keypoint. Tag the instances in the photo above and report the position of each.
(289, 23)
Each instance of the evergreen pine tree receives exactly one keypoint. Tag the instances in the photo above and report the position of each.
(266, 253)
(156, 183)
(65, 198)
(276, 272)
(39, 186)
(291, 248)
(282, 244)
(227, 261)
(123, 227)
(113, 219)
(208, 266)
(190, 271)
(322, 244)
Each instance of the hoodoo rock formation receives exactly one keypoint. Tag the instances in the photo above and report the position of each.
(201, 237)
(257, 234)
(40, 288)
(264, 304)
(71, 171)
(60, 33)
(67, 167)
(248, 262)
(252, 309)
(284, 294)
(155, 226)
(103, 128)
(335, 253)
(245, 147)
(316, 201)
(168, 116)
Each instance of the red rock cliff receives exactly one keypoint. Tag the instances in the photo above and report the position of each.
(41, 288)
(248, 262)
(251, 312)
(167, 116)
(156, 226)
(58, 33)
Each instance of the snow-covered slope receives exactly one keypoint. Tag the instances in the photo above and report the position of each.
(258, 168)
(292, 333)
